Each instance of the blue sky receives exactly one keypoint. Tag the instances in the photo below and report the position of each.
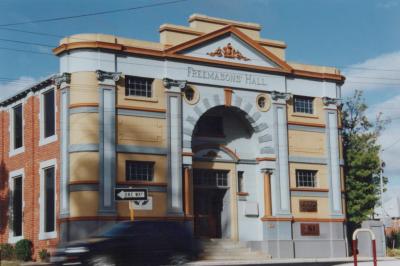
(361, 37)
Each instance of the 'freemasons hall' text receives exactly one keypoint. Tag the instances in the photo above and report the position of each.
(247, 79)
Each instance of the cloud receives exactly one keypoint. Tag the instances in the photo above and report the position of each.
(10, 88)
(381, 72)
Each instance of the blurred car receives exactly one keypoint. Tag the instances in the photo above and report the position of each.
(132, 243)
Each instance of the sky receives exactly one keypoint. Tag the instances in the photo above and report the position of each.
(360, 37)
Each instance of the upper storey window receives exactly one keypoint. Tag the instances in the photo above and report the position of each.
(17, 127)
(138, 86)
(303, 104)
(306, 178)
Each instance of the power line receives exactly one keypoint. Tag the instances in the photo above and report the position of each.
(93, 13)
(24, 42)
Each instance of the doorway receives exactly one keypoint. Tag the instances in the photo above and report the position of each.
(210, 202)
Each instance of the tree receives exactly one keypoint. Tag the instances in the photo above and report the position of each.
(362, 162)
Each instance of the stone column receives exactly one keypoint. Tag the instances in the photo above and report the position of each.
(267, 192)
(332, 148)
(63, 82)
(187, 190)
(174, 128)
(280, 182)
(107, 141)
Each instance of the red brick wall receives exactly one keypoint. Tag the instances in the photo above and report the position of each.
(30, 161)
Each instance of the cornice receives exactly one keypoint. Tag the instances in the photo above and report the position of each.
(103, 75)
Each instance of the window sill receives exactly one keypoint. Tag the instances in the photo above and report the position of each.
(14, 239)
(305, 115)
(242, 193)
(141, 99)
(17, 151)
(48, 140)
(47, 235)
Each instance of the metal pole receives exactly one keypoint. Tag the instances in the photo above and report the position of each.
(374, 252)
(355, 251)
(131, 210)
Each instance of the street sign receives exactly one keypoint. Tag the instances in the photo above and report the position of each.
(130, 194)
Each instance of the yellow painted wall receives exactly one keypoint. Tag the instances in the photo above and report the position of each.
(323, 208)
(209, 27)
(309, 144)
(141, 131)
(174, 38)
(322, 173)
(84, 88)
(279, 52)
(159, 206)
(84, 166)
(157, 101)
(317, 118)
(84, 128)
(83, 203)
(160, 166)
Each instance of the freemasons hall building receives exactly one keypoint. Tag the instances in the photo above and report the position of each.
(224, 133)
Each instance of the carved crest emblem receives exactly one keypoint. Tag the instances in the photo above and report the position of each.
(228, 52)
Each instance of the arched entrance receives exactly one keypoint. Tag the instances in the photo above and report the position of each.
(222, 140)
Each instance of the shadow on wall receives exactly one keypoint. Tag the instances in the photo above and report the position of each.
(4, 198)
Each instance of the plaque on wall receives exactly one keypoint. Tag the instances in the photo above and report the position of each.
(308, 206)
(309, 229)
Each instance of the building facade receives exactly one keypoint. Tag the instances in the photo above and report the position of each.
(224, 133)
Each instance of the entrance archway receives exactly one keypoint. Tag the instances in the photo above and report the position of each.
(222, 137)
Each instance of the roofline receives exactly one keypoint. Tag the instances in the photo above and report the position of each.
(33, 88)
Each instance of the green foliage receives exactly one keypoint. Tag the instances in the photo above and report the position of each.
(44, 255)
(23, 250)
(7, 252)
(362, 161)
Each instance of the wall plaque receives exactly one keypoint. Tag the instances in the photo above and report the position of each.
(308, 206)
(309, 229)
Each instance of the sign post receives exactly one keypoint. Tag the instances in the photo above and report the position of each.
(130, 194)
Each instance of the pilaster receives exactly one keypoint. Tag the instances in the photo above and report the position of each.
(280, 180)
(332, 148)
(174, 127)
(107, 141)
(62, 81)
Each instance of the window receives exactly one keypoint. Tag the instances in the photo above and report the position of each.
(189, 94)
(305, 178)
(16, 208)
(210, 126)
(210, 178)
(137, 86)
(139, 171)
(303, 105)
(240, 181)
(48, 114)
(48, 200)
(17, 127)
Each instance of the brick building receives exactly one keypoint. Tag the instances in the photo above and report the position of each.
(225, 133)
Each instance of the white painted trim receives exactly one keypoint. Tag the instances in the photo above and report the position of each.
(43, 165)
(53, 138)
(16, 173)
(21, 149)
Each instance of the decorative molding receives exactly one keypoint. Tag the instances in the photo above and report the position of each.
(228, 52)
(168, 83)
(276, 95)
(102, 75)
(60, 78)
(125, 218)
(327, 101)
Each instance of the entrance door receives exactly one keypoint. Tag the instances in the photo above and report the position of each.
(210, 187)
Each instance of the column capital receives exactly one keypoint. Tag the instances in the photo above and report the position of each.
(62, 78)
(269, 171)
(168, 83)
(103, 75)
(276, 95)
(328, 101)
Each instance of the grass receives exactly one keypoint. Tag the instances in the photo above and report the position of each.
(393, 252)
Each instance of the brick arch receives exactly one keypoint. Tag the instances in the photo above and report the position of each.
(250, 112)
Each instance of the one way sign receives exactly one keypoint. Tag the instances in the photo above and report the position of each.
(130, 194)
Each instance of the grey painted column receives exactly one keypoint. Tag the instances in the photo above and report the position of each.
(280, 179)
(107, 141)
(174, 128)
(332, 148)
(62, 82)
